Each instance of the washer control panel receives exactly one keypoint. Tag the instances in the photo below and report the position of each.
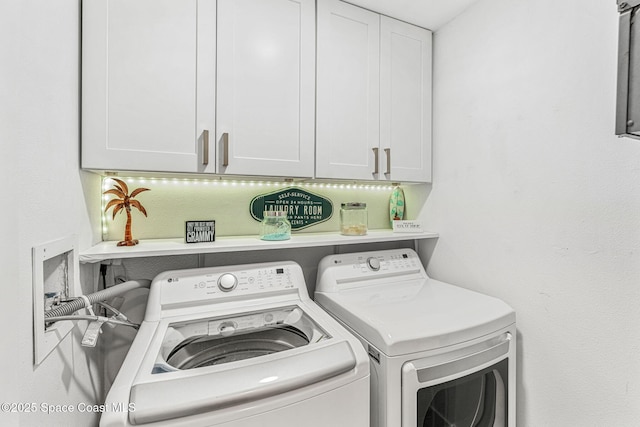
(218, 283)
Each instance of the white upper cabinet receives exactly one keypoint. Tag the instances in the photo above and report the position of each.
(266, 87)
(348, 97)
(405, 101)
(229, 87)
(147, 93)
(374, 96)
(150, 79)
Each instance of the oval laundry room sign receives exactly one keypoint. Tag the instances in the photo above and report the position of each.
(303, 208)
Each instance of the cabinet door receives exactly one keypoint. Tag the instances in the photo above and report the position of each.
(266, 87)
(405, 101)
(347, 134)
(143, 61)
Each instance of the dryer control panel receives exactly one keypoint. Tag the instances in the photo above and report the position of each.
(342, 271)
(204, 286)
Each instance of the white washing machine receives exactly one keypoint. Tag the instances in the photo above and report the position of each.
(441, 356)
(240, 346)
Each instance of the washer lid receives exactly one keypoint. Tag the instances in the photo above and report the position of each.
(412, 316)
(198, 366)
(211, 390)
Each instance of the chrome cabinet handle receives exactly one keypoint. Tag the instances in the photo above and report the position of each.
(205, 147)
(622, 98)
(375, 159)
(225, 149)
(388, 152)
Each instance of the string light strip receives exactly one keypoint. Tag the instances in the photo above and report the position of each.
(227, 183)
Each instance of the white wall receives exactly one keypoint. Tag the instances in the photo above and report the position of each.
(9, 213)
(40, 139)
(538, 203)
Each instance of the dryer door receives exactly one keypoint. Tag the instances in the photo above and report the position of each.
(469, 391)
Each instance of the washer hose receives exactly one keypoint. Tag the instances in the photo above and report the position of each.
(81, 302)
(95, 319)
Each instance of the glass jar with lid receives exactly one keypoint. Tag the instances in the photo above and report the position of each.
(275, 226)
(353, 219)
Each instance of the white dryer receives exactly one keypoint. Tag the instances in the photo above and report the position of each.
(240, 346)
(441, 355)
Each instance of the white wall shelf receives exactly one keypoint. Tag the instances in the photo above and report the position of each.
(165, 247)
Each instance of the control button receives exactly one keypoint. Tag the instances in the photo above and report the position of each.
(373, 263)
(227, 282)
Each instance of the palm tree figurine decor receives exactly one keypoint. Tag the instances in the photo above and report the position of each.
(125, 201)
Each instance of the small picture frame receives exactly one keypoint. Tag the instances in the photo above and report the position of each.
(200, 231)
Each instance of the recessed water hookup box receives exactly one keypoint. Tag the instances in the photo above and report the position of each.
(55, 278)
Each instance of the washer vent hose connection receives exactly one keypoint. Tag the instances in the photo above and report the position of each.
(81, 302)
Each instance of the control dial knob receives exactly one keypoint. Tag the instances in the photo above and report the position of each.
(227, 282)
(373, 263)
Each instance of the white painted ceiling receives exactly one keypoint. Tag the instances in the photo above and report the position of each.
(430, 14)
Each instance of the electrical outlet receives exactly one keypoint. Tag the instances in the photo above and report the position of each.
(55, 278)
